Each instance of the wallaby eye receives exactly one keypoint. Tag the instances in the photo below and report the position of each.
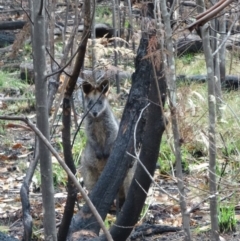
(90, 103)
(100, 102)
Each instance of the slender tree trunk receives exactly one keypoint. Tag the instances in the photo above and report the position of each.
(215, 44)
(211, 135)
(222, 52)
(93, 34)
(130, 25)
(211, 132)
(171, 81)
(114, 20)
(42, 120)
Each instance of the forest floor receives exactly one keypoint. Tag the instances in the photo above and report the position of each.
(17, 150)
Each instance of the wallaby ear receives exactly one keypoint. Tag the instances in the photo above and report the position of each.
(104, 87)
(87, 87)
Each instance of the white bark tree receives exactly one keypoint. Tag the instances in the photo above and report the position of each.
(42, 119)
(211, 132)
(171, 85)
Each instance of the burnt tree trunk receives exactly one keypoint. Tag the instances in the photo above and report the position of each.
(66, 120)
(153, 131)
(145, 90)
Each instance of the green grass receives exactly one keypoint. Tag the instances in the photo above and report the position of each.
(8, 80)
(226, 218)
(78, 146)
(102, 11)
(12, 86)
(191, 65)
(103, 14)
(194, 64)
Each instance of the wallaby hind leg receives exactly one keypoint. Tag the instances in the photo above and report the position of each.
(123, 192)
(90, 177)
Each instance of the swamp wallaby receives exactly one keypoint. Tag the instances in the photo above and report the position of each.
(101, 129)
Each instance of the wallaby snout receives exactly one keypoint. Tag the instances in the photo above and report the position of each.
(95, 114)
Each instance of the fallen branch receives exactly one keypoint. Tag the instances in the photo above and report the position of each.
(152, 229)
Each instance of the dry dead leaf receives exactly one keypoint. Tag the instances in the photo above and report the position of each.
(17, 146)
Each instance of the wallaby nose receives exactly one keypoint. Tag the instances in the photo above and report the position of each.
(94, 113)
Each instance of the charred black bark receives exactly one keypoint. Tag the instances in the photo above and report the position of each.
(152, 229)
(66, 136)
(72, 191)
(154, 128)
(12, 25)
(6, 39)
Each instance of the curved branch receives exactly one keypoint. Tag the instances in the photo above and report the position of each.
(209, 14)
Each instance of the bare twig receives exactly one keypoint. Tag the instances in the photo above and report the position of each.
(226, 37)
(138, 159)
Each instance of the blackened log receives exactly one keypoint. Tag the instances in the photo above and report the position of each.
(188, 4)
(12, 25)
(231, 82)
(6, 39)
(152, 229)
(189, 44)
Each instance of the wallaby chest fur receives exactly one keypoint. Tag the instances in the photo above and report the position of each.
(101, 129)
(101, 133)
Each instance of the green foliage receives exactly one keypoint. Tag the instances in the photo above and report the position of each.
(231, 148)
(78, 147)
(187, 58)
(190, 64)
(166, 157)
(10, 85)
(102, 11)
(8, 80)
(27, 49)
(127, 22)
(107, 223)
(145, 208)
(59, 175)
(226, 218)
(4, 229)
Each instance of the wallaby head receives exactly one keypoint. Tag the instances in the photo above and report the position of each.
(96, 97)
